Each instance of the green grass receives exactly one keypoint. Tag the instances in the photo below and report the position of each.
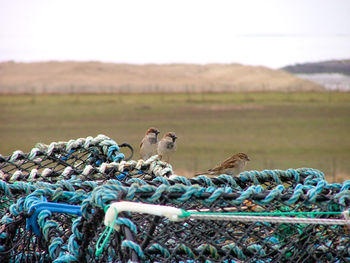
(277, 130)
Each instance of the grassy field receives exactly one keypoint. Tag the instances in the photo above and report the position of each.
(277, 130)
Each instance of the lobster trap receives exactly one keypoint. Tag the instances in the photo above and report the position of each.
(93, 205)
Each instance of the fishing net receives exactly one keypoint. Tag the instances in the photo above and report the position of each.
(63, 203)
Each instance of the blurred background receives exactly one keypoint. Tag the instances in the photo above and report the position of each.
(268, 78)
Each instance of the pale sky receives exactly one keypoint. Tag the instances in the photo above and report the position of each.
(271, 33)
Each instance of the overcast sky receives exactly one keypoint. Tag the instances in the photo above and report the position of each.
(272, 33)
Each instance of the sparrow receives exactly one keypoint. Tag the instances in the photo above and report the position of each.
(148, 146)
(167, 146)
(233, 165)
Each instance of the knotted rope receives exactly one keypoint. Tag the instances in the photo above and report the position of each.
(55, 199)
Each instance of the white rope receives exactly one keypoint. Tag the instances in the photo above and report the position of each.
(273, 219)
(176, 214)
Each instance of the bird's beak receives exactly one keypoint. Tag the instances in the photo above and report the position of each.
(248, 159)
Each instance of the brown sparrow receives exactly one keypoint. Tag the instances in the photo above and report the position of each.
(148, 146)
(231, 166)
(167, 146)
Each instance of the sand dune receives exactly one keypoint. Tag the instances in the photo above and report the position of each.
(96, 77)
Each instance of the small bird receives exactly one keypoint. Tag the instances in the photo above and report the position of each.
(233, 165)
(167, 146)
(148, 146)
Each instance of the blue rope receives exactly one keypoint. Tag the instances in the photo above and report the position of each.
(134, 246)
(114, 154)
(55, 246)
(165, 252)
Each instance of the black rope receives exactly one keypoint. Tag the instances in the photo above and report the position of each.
(123, 145)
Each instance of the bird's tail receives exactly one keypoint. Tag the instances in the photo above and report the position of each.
(204, 173)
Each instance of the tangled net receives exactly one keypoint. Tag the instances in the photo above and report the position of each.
(83, 201)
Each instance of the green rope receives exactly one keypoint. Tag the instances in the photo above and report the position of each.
(99, 249)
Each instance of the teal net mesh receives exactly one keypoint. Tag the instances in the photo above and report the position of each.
(54, 198)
